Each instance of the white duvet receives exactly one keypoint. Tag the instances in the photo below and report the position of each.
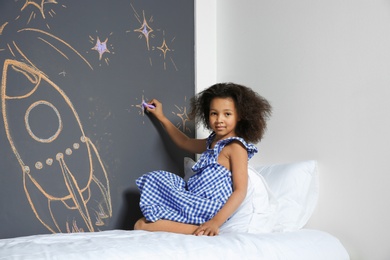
(120, 244)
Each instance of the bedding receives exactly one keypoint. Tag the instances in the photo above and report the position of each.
(280, 197)
(303, 244)
(269, 224)
(295, 186)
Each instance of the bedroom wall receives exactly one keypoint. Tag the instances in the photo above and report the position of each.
(324, 67)
(205, 47)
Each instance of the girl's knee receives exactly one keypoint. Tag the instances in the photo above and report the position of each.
(140, 224)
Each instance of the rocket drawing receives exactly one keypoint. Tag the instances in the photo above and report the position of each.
(64, 178)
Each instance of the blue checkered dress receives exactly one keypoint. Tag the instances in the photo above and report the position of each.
(165, 195)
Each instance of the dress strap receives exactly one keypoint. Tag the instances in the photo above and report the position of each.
(251, 149)
(210, 156)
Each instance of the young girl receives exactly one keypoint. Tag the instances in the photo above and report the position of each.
(236, 115)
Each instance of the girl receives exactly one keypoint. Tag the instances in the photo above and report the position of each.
(236, 115)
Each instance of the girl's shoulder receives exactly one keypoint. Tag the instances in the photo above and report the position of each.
(251, 148)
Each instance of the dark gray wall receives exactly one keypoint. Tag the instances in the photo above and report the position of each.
(73, 137)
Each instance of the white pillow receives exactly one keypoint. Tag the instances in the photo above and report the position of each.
(296, 188)
(280, 197)
(188, 172)
(256, 212)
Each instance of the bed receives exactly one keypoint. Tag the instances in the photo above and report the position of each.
(268, 225)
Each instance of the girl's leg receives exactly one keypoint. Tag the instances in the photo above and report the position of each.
(165, 225)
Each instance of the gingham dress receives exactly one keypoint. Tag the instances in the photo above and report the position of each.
(165, 195)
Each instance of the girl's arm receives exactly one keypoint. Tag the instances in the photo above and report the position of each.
(178, 137)
(234, 157)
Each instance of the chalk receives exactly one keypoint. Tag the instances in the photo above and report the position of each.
(144, 104)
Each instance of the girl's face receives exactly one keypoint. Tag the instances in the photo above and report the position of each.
(223, 117)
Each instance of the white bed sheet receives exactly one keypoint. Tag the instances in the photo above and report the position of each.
(119, 244)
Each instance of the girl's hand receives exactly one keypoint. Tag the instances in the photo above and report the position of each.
(209, 228)
(157, 111)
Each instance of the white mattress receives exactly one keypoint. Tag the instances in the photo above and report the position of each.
(120, 244)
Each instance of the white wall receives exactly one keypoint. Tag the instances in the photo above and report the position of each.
(325, 67)
(205, 47)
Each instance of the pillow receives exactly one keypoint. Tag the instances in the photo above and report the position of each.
(188, 172)
(280, 197)
(256, 212)
(296, 188)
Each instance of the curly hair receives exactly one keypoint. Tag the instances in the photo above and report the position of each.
(253, 110)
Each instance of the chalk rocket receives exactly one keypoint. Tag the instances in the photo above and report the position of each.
(64, 179)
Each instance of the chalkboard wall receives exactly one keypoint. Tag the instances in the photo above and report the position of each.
(73, 134)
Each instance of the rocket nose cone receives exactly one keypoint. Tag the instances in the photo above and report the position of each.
(19, 79)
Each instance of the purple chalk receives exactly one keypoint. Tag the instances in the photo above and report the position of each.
(144, 104)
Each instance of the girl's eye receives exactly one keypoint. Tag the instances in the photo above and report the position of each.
(228, 114)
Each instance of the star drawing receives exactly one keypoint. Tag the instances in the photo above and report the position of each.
(39, 4)
(101, 47)
(164, 48)
(145, 29)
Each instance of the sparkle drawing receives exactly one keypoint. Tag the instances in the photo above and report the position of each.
(40, 4)
(182, 114)
(42, 10)
(141, 107)
(164, 49)
(145, 30)
(152, 36)
(101, 47)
